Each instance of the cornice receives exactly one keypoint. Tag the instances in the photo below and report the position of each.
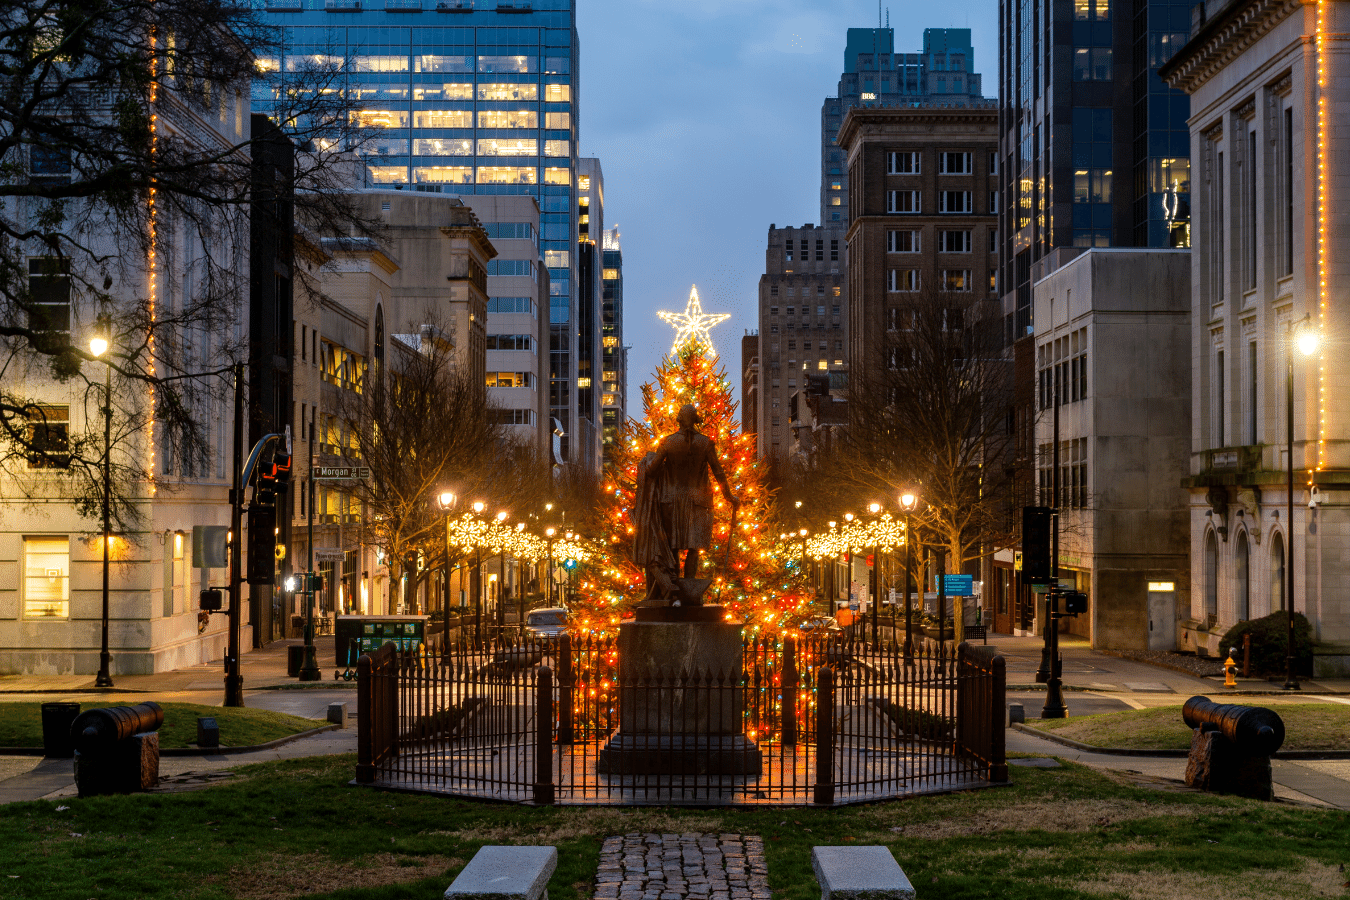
(1224, 39)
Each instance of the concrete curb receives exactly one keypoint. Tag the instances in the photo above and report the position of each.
(198, 751)
(1167, 754)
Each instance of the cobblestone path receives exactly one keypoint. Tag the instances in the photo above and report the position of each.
(682, 867)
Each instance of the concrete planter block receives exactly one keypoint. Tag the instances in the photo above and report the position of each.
(859, 873)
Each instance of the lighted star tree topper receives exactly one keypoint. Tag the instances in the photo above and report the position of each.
(692, 325)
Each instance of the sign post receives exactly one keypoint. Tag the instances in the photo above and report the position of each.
(310, 670)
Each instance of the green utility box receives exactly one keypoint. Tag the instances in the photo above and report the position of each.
(357, 635)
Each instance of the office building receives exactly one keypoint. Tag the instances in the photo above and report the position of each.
(1113, 349)
(614, 363)
(1270, 224)
(875, 75)
(582, 443)
(750, 382)
(803, 324)
(1093, 145)
(469, 98)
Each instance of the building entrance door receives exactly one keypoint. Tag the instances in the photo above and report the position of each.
(1162, 620)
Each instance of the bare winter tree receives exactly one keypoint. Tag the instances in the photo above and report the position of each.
(125, 169)
(423, 427)
(929, 411)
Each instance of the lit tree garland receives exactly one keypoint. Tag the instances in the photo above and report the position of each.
(764, 591)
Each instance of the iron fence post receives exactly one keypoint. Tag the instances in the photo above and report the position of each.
(789, 686)
(365, 768)
(824, 794)
(566, 680)
(543, 750)
(998, 755)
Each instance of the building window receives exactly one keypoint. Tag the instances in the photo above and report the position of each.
(820, 250)
(510, 342)
(954, 241)
(902, 280)
(993, 163)
(993, 240)
(905, 163)
(48, 437)
(512, 416)
(46, 577)
(954, 163)
(956, 280)
(954, 202)
(1092, 64)
(906, 241)
(904, 201)
(993, 203)
(510, 379)
(49, 295)
(834, 251)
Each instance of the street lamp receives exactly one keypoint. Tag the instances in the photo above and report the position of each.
(1306, 339)
(99, 346)
(501, 574)
(907, 502)
(875, 508)
(549, 532)
(477, 580)
(447, 502)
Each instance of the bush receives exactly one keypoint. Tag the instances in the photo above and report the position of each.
(1270, 643)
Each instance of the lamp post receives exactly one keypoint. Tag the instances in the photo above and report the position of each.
(447, 501)
(1306, 340)
(99, 346)
(477, 581)
(875, 508)
(907, 502)
(549, 532)
(501, 574)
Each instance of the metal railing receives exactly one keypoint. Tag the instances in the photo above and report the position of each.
(812, 721)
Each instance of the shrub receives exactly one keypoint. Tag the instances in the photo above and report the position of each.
(1270, 643)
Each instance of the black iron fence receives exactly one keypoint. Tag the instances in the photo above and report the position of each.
(819, 720)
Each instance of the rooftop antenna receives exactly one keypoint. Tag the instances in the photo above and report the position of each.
(878, 13)
(888, 17)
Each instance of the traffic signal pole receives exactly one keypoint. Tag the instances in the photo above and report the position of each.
(1054, 686)
(234, 681)
(309, 670)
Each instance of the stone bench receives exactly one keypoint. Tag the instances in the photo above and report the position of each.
(859, 873)
(505, 873)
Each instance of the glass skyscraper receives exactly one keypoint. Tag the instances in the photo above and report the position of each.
(463, 97)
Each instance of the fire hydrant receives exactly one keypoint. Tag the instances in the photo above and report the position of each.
(1230, 669)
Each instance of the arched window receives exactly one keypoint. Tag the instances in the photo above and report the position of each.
(1277, 576)
(1242, 597)
(1211, 575)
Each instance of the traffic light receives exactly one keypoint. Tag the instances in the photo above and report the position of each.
(281, 468)
(265, 487)
(1075, 602)
(1036, 544)
(262, 542)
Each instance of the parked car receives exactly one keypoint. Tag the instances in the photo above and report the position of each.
(549, 622)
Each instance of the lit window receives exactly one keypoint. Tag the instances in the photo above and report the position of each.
(557, 148)
(436, 63)
(508, 92)
(48, 437)
(441, 147)
(443, 175)
(583, 382)
(557, 176)
(508, 118)
(383, 118)
(508, 147)
(610, 275)
(440, 118)
(506, 175)
(46, 577)
(443, 92)
(513, 65)
(557, 93)
(379, 64)
(387, 174)
(557, 120)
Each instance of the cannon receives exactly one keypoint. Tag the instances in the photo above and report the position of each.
(1231, 747)
(117, 749)
(1255, 729)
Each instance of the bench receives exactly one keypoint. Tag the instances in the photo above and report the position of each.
(977, 631)
(859, 873)
(505, 873)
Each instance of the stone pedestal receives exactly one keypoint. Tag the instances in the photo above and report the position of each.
(1216, 764)
(680, 700)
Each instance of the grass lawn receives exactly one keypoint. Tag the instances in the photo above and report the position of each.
(295, 828)
(21, 724)
(1307, 726)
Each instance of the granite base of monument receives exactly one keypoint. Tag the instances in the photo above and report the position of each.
(680, 700)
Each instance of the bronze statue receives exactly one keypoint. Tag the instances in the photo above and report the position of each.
(675, 511)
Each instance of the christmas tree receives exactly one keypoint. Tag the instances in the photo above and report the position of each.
(751, 579)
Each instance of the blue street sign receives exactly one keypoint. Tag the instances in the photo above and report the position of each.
(959, 585)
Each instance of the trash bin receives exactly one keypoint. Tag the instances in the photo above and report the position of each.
(56, 721)
(295, 659)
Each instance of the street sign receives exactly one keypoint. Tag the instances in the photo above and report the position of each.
(958, 585)
(327, 554)
(339, 473)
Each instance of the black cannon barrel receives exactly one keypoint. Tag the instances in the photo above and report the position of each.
(96, 729)
(1253, 729)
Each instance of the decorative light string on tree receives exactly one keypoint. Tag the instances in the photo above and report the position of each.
(754, 582)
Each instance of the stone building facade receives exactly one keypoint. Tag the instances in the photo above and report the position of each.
(1269, 128)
